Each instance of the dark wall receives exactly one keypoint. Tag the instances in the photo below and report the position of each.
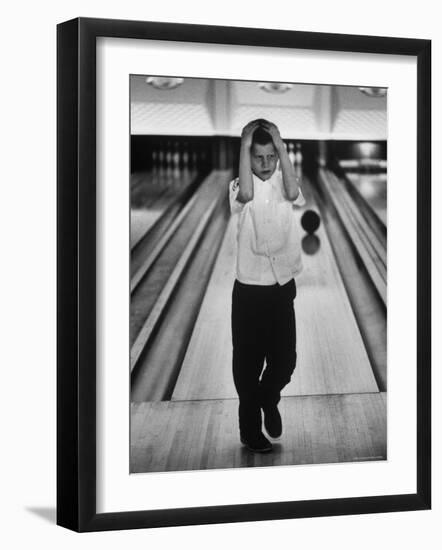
(209, 152)
(145, 151)
(353, 150)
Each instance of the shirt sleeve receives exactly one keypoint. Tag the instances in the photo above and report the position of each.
(300, 200)
(235, 204)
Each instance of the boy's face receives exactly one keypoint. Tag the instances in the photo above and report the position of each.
(263, 159)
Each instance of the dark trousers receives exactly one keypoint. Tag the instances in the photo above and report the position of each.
(263, 329)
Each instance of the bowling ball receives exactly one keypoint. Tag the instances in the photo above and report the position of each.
(310, 244)
(310, 221)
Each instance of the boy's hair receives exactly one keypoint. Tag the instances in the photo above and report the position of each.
(261, 137)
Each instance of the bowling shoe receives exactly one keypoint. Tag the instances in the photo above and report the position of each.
(258, 444)
(272, 421)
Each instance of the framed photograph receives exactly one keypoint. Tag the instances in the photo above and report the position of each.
(244, 257)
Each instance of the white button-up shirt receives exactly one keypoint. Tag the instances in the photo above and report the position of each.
(269, 247)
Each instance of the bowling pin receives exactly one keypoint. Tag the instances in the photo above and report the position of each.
(176, 161)
(292, 155)
(154, 171)
(298, 154)
(168, 160)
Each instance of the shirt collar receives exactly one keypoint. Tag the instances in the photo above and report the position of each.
(272, 179)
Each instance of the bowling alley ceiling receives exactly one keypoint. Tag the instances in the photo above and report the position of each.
(221, 107)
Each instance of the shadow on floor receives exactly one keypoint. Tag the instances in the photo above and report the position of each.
(48, 514)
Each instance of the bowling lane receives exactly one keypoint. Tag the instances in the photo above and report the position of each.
(373, 187)
(151, 194)
(140, 222)
(331, 354)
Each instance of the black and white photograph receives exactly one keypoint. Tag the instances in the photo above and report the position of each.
(258, 273)
(230, 348)
(221, 255)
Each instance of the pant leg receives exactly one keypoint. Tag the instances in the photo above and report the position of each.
(281, 346)
(248, 355)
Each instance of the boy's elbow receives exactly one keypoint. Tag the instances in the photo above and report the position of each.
(244, 197)
(293, 195)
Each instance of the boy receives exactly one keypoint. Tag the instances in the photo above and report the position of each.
(263, 319)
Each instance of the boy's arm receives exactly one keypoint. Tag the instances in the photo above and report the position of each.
(289, 177)
(235, 205)
(245, 193)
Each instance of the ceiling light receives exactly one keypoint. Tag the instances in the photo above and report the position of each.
(164, 82)
(275, 87)
(374, 92)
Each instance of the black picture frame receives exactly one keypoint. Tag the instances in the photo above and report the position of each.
(77, 287)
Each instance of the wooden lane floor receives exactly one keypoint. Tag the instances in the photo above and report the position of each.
(369, 245)
(153, 277)
(331, 355)
(140, 222)
(151, 194)
(373, 187)
(199, 435)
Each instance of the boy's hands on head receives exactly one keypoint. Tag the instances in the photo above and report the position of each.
(273, 130)
(245, 193)
(289, 178)
(264, 165)
(247, 132)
